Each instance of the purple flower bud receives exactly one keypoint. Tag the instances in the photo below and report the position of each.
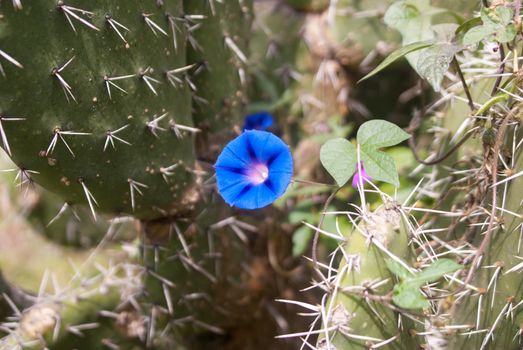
(360, 176)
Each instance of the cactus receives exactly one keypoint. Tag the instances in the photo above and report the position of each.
(110, 121)
(353, 319)
(124, 98)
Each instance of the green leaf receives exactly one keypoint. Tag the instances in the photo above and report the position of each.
(496, 26)
(505, 14)
(467, 25)
(488, 17)
(399, 15)
(407, 294)
(300, 240)
(298, 215)
(445, 31)
(434, 62)
(413, 20)
(506, 34)
(379, 166)
(397, 269)
(477, 34)
(396, 55)
(409, 298)
(435, 271)
(339, 157)
(379, 133)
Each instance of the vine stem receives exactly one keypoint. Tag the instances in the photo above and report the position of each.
(453, 149)
(464, 83)
(314, 183)
(320, 224)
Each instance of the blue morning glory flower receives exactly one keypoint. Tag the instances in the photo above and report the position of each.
(258, 121)
(254, 170)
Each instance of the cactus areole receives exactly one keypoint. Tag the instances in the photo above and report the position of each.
(101, 101)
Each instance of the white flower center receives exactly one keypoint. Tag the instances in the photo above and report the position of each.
(258, 174)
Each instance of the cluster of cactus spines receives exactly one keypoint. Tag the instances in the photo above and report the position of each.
(111, 90)
(352, 317)
(492, 307)
(94, 308)
(220, 79)
(475, 193)
(126, 91)
(64, 295)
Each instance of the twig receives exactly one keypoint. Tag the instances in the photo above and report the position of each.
(517, 11)
(488, 235)
(500, 71)
(464, 83)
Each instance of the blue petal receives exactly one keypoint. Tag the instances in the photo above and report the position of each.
(281, 162)
(237, 154)
(235, 193)
(265, 147)
(258, 121)
(248, 199)
(227, 177)
(255, 197)
(280, 177)
(258, 141)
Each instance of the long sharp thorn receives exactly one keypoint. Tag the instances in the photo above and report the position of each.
(90, 198)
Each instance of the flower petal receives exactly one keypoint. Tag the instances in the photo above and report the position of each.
(235, 155)
(235, 193)
(360, 176)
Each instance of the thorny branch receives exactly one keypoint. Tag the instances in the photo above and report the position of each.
(494, 173)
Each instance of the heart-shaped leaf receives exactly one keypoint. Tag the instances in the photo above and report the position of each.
(339, 157)
(379, 165)
(434, 62)
(380, 133)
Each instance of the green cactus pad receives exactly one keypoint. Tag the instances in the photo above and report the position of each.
(96, 101)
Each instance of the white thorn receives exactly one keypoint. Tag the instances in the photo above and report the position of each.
(135, 186)
(90, 197)
(153, 26)
(71, 11)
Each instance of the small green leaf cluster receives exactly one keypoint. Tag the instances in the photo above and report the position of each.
(497, 26)
(430, 48)
(407, 293)
(340, 157)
